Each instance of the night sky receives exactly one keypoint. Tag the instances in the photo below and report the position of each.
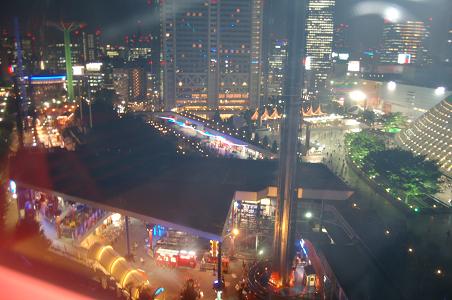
(119, 17)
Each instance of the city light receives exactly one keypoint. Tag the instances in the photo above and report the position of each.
(308, 215)
(391, 86)
(235, 231)
(357, 95)
(392, 14)
(440, 91)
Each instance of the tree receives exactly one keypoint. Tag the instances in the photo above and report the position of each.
(230, 122)
(275, 147)
(256, 138)
(361, 144)
(6, 140)
(217, 117)
(392, 122)
(247, 116)
(102, 108)
(407, 175)
(29, 234)
(368, 116)
(265, 141)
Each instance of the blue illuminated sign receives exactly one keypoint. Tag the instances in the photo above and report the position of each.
(55, 77)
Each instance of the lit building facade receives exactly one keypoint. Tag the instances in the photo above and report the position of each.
(139, 54)
(121, 83)
(448, 50)
(211, 54)
(46, 88)
(341, 37)
(406, 43)
(137, 87)
(90, 47)
(56, 61)
(431, 135)
(319, 43)
(276, 67)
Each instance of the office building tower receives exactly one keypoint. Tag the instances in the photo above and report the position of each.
(121, 83)
(406, 43)
(91, 47)
(274, 81)
(448, 45)
(56, 62)
(211, 55)
(137, 87)
(137, 54)
(8, 54)
(341, 42)
(95, 77)
(430, 135)
(319, 43)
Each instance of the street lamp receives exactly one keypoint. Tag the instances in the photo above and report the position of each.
(391, 86)
(392, 14)
(440, 91)
(235, 232)
(357, 95)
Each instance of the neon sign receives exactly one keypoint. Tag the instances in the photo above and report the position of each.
(204, 133)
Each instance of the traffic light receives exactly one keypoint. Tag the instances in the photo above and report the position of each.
(214, 248)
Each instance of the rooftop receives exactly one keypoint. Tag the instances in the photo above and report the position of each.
(192, 192)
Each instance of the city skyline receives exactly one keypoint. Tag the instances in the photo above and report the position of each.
(122, 18)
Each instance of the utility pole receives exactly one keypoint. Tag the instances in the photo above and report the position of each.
(283, 244)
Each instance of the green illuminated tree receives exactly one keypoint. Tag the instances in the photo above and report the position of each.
(361, 144)
(393, 121)
(407, 175)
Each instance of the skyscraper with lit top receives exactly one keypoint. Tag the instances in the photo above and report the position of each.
(319, 43)
(406, 43)
(211, 54)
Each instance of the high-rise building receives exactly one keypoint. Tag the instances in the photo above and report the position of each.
(211, 54)
(137, 87)
(430, 135)
(276, 68)
(319, 43)
(448, 49)
(8, 54)
(143, 54)
(135, 84)
(121, 83)
(56, 61)
(406, 43)
(341, 43)
(90, 47)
